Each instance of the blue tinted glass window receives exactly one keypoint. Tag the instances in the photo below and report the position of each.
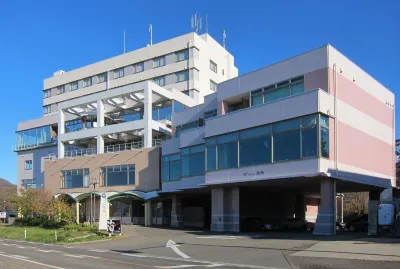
(175, 170)
(309, 142)
(185, 165)
(263, 130)
(196, 149)
(324, 142)
(132, 177)
(185, 151)
(165, 168)
(178, 107)
(227, 138)
(286, 125)
(227, 155)
(256, 100)
(324, 121)
(277, 94)
(297, 88)
(117, 178)
(256, 150)
(287, 146)
(197, 164)
(211, 158)
(309, 120)
(211, 141)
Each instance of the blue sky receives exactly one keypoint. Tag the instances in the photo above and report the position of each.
(40, 37)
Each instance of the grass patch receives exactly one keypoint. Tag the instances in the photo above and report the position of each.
(38, 234)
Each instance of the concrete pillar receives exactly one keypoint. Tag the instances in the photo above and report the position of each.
(100, 144)
(300, 207)
(326, 219)
(373, 204)
(148, 213)
(225, 215)
(176, 212)
(148, 117)
(61, 149)
(77, 212)
(100, 113)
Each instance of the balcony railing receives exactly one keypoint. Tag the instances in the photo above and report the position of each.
(19, 147)
(80, 152)
(157, 142)
(123, 147)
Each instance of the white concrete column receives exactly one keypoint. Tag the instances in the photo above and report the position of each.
(148, 117)
(61, 149)
(77, 212)
(100, 113)
(326, 219)
(176, 212)
(61, 122)
(100, 144)
(148, 213)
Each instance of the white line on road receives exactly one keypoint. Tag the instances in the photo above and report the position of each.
(74, 256)
(171, 244)
(93, 257)
(216, 265)
(47, 250)
(38, 263)
(19, 256)
(134, 255)
(181, 266)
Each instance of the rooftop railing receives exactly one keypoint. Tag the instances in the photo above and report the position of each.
(130, 146)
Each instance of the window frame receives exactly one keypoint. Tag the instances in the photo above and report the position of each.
(171, 158)
(185, 52)
(60, 89)
(140, 64)
(127, 168)
(160, 60)
(185, 75)
(28, 164)
(213, 66)
(212, 82)
(87, 82)
(120, 71)
(47, 109)
(73, 85)
(189, 153)
(103, 76)
(47, 93)
(81, 171)
(160, 78)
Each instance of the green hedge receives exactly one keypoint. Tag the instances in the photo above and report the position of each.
(43, 222)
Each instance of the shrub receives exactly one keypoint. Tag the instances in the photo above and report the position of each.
(78, 227)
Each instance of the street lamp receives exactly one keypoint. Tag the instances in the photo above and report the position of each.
(93, 204)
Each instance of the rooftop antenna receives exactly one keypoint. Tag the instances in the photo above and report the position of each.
(151, 34)
(124, 42)
(224, 39)
(196, 23)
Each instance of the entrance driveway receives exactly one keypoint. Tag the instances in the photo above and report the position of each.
(268, 250)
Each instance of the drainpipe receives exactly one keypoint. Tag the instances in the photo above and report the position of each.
(336, 117)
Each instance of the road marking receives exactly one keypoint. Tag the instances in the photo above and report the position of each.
(74, 256)
(134, 255)
(98, 250)
(68, 247)
(93, 257)
(46, 250)
(171, 244)
(228, 237)
(4, 244)
(181, 266)
(21, 247)
(216, 265)
(38, 263)
(19, 256)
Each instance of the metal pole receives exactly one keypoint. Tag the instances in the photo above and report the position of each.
(94, 201)
(91, 208)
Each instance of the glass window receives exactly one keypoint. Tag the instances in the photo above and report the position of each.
(324, 121)
(178, 107)
(309, 142)
(76, 178)
(210, 114)
(28, 165)
(182, 55)
(60, 89)
(185, 165)
(74, 86)
(286, 125)
(324, 142)
(46, 109)
(297, 88)
(46, 94)
(119, 73)
(213, 67)
(309, 120)
(158, 62)
(118, 175)
(175, 170)
(256, 150)
(160, 81)
(211, 158)
(258, 131)
(101, 78)
(87, 82)
(227, 155)
(165, 168)
(287, 146)
(227, 138)
(256, 99)
(193, 161)
(139, 67)
(276, 94)
(182, 76)
(213, 85)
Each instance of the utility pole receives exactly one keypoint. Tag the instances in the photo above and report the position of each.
(93, 205)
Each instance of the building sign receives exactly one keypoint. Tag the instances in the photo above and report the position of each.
(114, 226)
(103, 212)
(252, 174)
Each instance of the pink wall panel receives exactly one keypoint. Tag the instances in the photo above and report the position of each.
(358, 149)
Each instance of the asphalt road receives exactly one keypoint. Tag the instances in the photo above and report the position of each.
(146, 248)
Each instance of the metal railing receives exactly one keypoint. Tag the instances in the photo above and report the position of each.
(80, 152)
(157, 142)
(123, 147)
(19, 147)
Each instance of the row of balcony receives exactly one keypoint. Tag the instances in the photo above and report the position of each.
(111, 148)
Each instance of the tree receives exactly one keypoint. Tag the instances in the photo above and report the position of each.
(355, 204)
(32, 202)
(63, 211)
